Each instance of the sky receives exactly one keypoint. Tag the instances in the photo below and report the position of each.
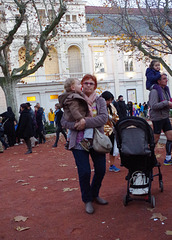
(94, 2)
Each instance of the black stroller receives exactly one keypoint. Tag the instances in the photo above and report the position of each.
(135, 141)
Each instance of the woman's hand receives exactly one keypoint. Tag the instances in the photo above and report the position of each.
(80, 125)
(170, 104)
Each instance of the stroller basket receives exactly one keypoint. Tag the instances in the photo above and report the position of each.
(139, 183)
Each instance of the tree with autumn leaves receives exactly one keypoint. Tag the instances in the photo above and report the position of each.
(142, 27)
(21, 20)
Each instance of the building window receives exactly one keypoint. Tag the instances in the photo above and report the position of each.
(53, 97)
(131, 95)
(31, 99)
(22, 60)
(74, 18)
(99, 66)
(74, 60)
(52, 65)
(2, 17)
(68, 18)
(51, 15)
(42, 16)
(128, 62)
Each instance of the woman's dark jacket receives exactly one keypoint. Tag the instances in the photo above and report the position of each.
(121, 109)
(58, 117)
(8, 118)
(25, 126)
(39, 122)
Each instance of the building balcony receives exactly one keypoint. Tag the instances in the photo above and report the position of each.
(50, 78)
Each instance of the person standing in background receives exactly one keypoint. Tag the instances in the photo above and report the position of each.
(58, 116)
(51, 117)
(39, 130)
(34, 141)
(25, 126)
(121, 108)
(130, 108)
(108, 128)
(9, 126)
(1, 136)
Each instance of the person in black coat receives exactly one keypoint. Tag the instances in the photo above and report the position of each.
(9, 128)
(2, 134)
(130, 108)
(40, 127)
(32, 114)
(121, 108)
(25, 127)
(58, 116)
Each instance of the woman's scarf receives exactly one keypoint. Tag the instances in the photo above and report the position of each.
(90, 100)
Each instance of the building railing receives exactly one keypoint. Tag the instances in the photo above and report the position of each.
(51, 77)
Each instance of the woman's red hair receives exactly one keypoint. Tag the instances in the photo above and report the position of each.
(87, 77)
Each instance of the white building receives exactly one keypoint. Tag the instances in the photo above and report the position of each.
(75, 54)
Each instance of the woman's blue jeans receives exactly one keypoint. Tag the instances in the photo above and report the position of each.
(90, 191)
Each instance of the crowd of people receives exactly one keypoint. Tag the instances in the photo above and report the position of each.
(12, 130)
(29, 127)
(83, 111)
(131, 108)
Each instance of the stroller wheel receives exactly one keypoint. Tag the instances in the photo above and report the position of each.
(152, 201)
(161, 185)
(125, 200)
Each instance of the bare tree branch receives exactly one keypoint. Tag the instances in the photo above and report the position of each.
(147, 53)
(10, 37)
(38, 16)
(146, 24)
(43, 37)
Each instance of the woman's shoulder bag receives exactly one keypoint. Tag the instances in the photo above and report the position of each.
(101, 142)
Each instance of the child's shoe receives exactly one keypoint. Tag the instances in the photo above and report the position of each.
(67, 145)
(85, 144)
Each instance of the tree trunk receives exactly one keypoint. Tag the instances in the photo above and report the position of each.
(8, 87)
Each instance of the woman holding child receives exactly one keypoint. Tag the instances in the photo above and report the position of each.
(96, 119)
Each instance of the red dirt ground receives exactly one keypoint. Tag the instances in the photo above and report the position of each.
(54, 214)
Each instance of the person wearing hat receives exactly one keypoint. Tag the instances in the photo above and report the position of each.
(25, 128)
(121, 107)
(31, 113)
